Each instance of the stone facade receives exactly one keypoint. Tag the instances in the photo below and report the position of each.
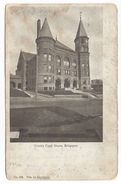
(15, 81)
(55, 66)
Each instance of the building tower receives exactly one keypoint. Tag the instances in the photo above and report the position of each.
(82, 51)
(45, 57)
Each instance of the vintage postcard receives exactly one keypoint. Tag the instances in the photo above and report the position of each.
(61, 91)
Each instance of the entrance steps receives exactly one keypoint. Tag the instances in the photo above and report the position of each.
(82, 92)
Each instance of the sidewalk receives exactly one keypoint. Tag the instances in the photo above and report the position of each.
(21, 102)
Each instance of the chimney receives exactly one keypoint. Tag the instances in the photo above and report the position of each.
(38, 27)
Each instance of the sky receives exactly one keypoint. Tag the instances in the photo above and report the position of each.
(21, 29)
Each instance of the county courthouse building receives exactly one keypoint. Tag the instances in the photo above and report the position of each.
(55, 65)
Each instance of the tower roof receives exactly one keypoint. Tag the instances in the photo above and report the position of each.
(81, 30)
(45, 31)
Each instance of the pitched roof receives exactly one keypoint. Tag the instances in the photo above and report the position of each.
(81, 30)
(27, 56)
(61, 45)
(45, 30)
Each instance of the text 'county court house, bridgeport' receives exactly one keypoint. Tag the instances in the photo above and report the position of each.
(55, 66)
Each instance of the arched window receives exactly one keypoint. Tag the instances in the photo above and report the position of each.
(58, 60)
(66, 62)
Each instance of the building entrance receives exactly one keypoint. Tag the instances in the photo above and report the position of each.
(58, 84)
(66, 83)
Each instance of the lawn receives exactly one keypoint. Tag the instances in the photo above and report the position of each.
(70, 121)
(17, 93)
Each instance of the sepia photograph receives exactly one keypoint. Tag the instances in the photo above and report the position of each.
(61, 64)
(56, 81)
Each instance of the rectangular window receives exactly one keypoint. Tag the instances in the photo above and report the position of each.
(50, 68)
(49, 57)
(45, 88)
(45, 79)
(66, 63)
(74, 64)
(58, 72)
(45, 57)
(49, 79)
(67, 72)
(58, 62)
(74, 73)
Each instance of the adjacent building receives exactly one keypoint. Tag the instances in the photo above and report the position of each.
(97, 85)
(54, 66)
